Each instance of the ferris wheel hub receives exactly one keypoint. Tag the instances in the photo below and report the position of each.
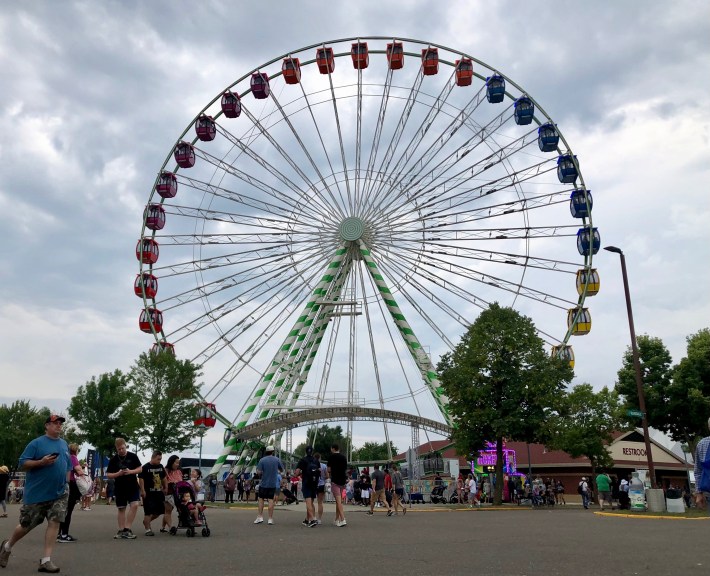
(351, 229)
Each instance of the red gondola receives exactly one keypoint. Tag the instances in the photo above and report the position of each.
(146, 282)
(154, 215)
(464, 72)
(260, 85)
(150, 319)
(147, 251)
(430, 61)
(206, 128)
(395, 55)
(360, 55)
(231, 104)
(291, 69)
(205, 415)
(167, 185)
(184, 154)
(325, 60)
(162, 346)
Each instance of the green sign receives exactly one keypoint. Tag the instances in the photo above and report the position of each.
(634, 413)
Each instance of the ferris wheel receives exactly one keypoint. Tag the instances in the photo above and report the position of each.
(332, 222)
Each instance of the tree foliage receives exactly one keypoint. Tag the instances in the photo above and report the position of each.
(585, 423)
(325, 437)
(20, 423)
(373, 451)
(655, 361)
(688, 404)
(167, 392)
(105, 408)
(501, 383)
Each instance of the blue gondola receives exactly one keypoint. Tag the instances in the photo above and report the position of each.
(524, 111)
(566, 170)
(495, 88)
(579, 206)
(587, 238)
(547, 137)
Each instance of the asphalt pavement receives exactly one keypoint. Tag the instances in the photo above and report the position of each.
(428, 541)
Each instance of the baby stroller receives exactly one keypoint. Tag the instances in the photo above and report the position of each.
(289, 498)
(437, 495)
(184, 509)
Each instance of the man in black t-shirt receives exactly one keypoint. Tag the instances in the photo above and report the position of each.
(153, 482)
(123, 468)
(306, 468)
(337, 471)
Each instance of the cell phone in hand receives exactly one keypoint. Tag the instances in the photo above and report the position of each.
(55, 454)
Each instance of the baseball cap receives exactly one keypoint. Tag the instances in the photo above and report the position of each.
(269, 449)
(55, 418)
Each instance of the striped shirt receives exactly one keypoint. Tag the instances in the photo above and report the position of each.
(701, 451)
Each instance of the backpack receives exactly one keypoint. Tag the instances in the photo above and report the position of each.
(579, 488)
(312, 474)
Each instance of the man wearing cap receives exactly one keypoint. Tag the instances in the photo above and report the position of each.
(47, 464)
(269, 466)
(584, 491)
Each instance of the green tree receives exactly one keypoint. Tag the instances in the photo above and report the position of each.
(688, 403)
(167, 392)
(501, 383)
(585, 422)
(325, 437)
(655, 361)
(20, 423)
(105, 408)
(373, 451)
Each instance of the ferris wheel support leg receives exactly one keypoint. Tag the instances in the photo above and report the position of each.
(421, 358)
(287, 351)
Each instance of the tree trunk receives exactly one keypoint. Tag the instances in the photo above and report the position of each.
(498, 494)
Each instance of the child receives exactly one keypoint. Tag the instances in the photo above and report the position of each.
(194, 509)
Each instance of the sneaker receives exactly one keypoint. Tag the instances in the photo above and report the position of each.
(337, 523)
(48, 566)
(305, 522)
(369, 512)
(404, 511)
(66, 538)
(343, 522)
(4, 554)
(389, 512)
(149, 533)
(118, 535)
(313, 523)
(128, 534)
(164, 530)
(258, 520)
(318, 522)
(270, 522)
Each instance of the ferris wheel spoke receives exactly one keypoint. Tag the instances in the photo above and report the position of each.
(321, 178)
(409, 151)
(394, 141)
(358, 137)
(316, 201)
(464, 270)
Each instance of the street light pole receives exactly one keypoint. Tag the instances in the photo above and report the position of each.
(202, 428)
(637, 365)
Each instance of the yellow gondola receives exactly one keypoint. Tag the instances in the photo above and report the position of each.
(579, 321)
(564, 353)
(590, 278)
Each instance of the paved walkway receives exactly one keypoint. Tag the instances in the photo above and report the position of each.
(427, 541)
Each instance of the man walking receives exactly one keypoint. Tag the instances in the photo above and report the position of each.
(378, 489)
(124, 467)
(47, 464)
(153, 482)
(309, 469)
(604, 488)
(269, 466)
(702, 471)
(337, 469)
(583, 489)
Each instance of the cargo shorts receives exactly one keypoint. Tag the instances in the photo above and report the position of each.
(32, 515)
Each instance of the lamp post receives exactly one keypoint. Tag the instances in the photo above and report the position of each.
(637, 365)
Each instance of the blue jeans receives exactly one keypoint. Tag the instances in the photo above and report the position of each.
(585, 499)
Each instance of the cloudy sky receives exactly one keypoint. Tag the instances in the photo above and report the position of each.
(95, 94)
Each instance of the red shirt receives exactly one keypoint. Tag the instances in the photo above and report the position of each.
(388, 482)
